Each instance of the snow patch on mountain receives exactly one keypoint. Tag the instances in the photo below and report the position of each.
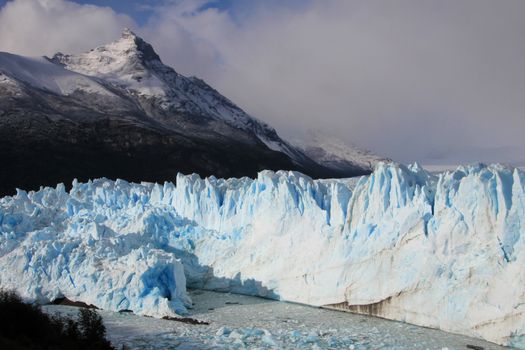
(40, 73)
(6, 80)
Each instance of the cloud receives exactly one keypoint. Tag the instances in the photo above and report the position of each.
(433, 81)
(43, 27)
(407, 79)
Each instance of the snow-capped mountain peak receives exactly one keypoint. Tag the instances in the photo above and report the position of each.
(126, 62)
(132, 64)
(102, 112)
(127, 55)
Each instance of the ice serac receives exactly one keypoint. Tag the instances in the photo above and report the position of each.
(441, 251)
(53, 245)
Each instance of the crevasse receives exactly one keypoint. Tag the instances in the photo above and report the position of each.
(439, 251)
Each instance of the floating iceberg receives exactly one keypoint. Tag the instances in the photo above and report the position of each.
(441, 251)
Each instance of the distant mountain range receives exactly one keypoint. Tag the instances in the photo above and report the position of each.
(334, 153)
(118, 112)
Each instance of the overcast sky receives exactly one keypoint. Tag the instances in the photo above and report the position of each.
(438, 81)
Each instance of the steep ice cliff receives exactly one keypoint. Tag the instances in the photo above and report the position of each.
(441, 251)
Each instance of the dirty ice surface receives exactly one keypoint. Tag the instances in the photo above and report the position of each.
(244, 322)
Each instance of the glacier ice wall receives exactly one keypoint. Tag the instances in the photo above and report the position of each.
(439, 251)
(54, 246)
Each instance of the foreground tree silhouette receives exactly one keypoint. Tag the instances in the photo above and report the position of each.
(25, 326)
(92, 328)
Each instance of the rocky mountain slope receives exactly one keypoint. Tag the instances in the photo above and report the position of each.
(118, 111)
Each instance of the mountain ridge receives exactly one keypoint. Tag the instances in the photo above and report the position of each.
(112, 110)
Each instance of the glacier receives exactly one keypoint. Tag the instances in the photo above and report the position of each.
(444, 251)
